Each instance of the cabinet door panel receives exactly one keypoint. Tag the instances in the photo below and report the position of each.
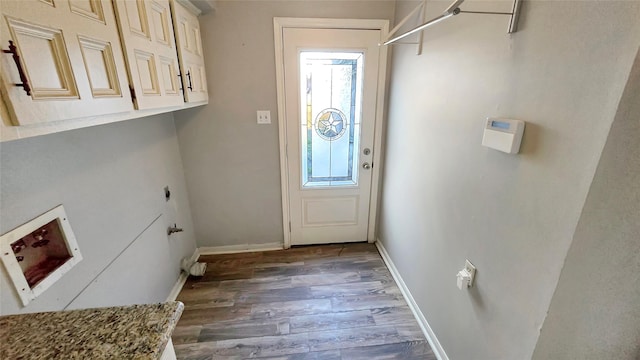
(89, 8)
(203, 79)
(101, 67)
(45, 59)
(150, 52)
(70, 53)
(190, 53)
(197, 41)
(160, 16)
(169, 72)
(146, 69)
(136, 16)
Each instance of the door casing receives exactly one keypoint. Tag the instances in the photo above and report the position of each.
(280, 23)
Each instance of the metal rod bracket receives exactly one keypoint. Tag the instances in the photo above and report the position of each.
(452, 10)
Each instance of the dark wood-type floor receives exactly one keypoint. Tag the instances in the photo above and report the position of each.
(327, 302)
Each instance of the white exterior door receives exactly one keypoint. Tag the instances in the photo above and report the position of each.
(331, 80)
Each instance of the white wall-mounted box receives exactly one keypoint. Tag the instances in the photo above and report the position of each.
(503, 134)
(39, 253)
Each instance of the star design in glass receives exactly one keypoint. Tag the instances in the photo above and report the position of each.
(331, 124)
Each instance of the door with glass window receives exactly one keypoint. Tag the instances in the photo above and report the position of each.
(330, 85)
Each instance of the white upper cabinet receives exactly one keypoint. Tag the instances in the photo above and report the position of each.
(65, 61)
(187, 29)
(150, 51)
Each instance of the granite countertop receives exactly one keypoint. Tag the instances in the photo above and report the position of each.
(126, 332)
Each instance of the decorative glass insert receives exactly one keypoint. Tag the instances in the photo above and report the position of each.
(330, 113)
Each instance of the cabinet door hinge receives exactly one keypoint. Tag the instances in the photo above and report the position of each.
(133, 92)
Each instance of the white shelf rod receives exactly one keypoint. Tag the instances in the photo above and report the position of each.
(452, 10)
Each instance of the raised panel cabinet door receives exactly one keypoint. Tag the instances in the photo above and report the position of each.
(147, 34)
(189, 43)
(68, 58)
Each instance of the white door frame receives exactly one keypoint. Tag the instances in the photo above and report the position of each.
(279, 24)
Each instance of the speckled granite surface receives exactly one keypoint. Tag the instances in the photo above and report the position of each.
(129, 332)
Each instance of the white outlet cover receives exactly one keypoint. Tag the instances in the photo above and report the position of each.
(471, 269)
(264, 116)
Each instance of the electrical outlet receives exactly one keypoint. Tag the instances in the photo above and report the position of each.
(471, 269)
(264, 117)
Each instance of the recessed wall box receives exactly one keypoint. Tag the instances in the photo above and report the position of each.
(503, 134)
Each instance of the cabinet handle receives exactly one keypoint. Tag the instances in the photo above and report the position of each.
(180, 77)
(23, 77)
(189, 78)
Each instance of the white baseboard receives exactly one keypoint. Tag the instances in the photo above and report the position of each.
(182, 279)
(231, 249)
(422, 321)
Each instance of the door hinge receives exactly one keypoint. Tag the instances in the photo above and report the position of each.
(133, 92)
(289, 226)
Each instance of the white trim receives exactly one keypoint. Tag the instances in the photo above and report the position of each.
(325, 23)
(279, 23)
(10, 132)
(377, 139)
(169, 352)
(282, 134)
(232, 249)
(437, 348)
(175, 291)
(189, 6)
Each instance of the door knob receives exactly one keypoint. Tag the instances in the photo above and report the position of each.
(366, 166)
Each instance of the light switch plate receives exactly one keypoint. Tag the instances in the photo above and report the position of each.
(264, 117)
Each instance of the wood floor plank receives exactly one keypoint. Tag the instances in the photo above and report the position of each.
(259, 346)
(200, 297)
(243, 329)
(354, 337)
(393, 315)
(186, 334)
(203, 316)
(227, 274)
(409, 331)
(253, 284)
(275, 295)
(352, 289)
(315, 355)
(293, 308)
(333, 302)
(411, 350)
(325, 279)
(369, 301)
(333, 321)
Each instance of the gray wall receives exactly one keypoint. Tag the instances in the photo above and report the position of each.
(447, 198)
(595, 312)
(231, 163)
(110, 180)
